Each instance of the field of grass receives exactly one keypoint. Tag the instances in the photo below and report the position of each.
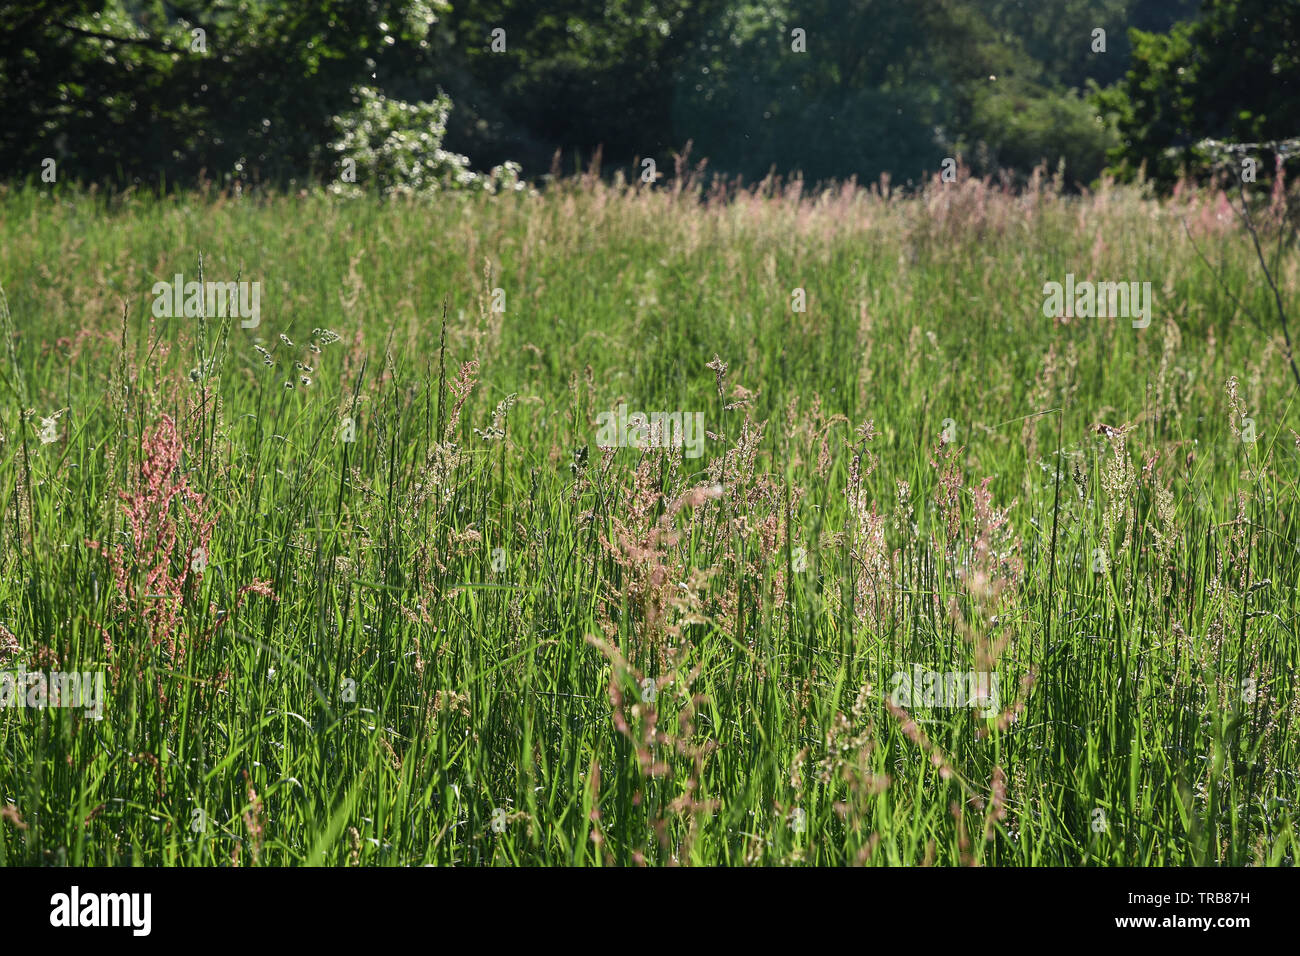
(314, 651)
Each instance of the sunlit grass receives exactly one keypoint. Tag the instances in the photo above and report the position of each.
(671, 659)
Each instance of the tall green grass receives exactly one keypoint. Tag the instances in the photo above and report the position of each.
(384, 696)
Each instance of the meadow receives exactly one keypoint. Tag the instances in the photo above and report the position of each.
(366, 590)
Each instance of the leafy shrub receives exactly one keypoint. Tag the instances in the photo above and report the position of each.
(1020, 127)
(395, 147)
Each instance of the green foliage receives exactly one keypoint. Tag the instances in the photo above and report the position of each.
(578, 75)
(1232, 75)
(860, 101)
(128, 93)
(1017, 128)
(883, 87)
(1057, 36)
(395, 148)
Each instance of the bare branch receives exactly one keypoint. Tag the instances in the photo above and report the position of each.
(1218, 278)
(1263, 263)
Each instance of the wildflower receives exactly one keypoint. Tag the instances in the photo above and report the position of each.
(498, 419)
(579, 460)
(162, 510)
(9, 646)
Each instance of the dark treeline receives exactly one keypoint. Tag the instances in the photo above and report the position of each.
(165, 93)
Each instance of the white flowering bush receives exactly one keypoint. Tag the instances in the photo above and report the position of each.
(395, 147)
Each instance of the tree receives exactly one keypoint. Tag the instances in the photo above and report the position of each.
(1232, 75)
(163, 92)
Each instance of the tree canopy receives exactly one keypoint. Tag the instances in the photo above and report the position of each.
(125, 92)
